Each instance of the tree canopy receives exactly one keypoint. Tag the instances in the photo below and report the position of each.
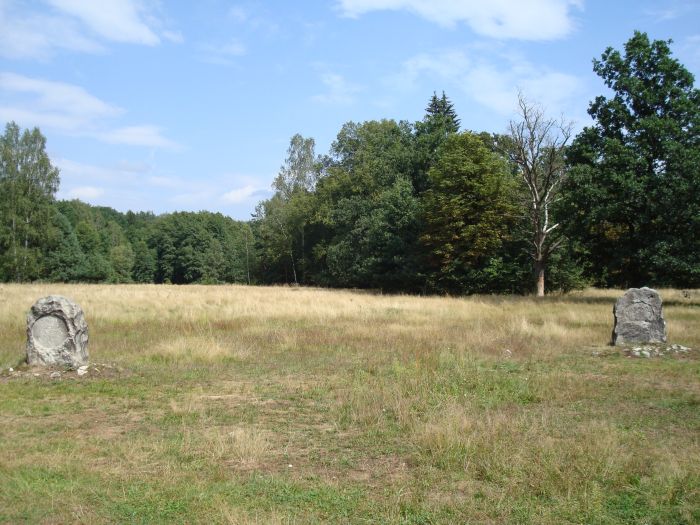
(634, 188)
(419, 206)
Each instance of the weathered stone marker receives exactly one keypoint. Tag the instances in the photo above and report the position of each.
(639, 318)
(57, 333)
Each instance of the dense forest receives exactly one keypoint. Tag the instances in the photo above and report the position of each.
(423, 207)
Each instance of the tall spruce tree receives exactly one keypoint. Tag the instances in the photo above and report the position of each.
(439, 122)
(441, 113)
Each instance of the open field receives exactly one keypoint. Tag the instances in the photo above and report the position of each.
(232, 404)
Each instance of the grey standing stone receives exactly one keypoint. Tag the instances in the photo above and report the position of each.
(639, 318)
(57, 333)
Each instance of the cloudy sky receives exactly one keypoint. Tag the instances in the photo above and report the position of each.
(178, 105)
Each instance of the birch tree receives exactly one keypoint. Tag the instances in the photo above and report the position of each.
(28, 183)
(283, 219)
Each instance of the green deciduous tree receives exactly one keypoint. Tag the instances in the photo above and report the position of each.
(374, 245)
(634, 190)
(281, 222)
(300, 169)
(65, 261)
(368, 209)
(144, 267)
(28, 183)
(121, 258)
(199, 247)
(97, 266)
(468, 211)
(279, 228)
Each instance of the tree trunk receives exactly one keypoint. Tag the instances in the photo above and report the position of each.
(294, 268)
(539, 274)
(26, 249)
(14, 249)
(303, 256)
(247, 258)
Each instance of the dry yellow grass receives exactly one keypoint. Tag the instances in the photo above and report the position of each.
(186, 322)
(388, 409)
(480, 322)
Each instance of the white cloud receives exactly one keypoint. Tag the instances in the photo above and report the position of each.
(206, 194)
(85, 193)
(117, 185)
(134, 166)
(166, 182)
(238, 13)
(497, 88)
(87, 182)
(138, 185)
(246, 193)
(34, 35)
(520, 19)
(57, 104)
(445, 65)
(173, 36)
(193, 199)
(223, 54)
(339, 90)
(493, 80)
(144, 135)
(76, 174)
(257, 18)
(672, 11)
(37, 32)
(250, 23)
(54, 105)
(114, 20)
(72, 110)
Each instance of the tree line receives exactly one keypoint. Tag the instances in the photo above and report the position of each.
(422, 207)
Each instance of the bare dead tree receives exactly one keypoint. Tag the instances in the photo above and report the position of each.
(537, 146)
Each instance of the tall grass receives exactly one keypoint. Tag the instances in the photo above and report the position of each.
(237, 404)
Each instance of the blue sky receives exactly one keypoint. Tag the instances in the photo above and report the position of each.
(179, 105)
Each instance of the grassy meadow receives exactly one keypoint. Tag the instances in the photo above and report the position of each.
(234, 404)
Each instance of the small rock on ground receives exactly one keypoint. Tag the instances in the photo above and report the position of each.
(648, 351)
